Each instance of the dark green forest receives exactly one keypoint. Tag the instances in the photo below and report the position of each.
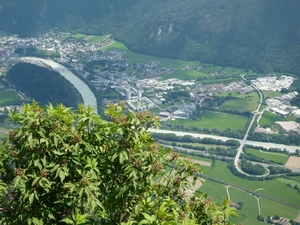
(263, 35)
(43, 85)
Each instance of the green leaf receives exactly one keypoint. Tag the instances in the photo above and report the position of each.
(62, 175)
(38, 164)
(67, 220)
(34, 181)
(31, 197)
(30, 141)
(54, 168)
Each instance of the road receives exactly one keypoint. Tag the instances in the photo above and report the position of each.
(243, 142)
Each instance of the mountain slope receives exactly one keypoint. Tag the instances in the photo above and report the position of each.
(263, 35)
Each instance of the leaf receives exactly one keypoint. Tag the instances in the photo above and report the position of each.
(31, 197)
(67, 220)
(38, 164)
(30, 141)
(34, 181)
(62, 175)
(143, 222)
(54, 168)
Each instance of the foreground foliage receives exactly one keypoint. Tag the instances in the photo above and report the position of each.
(60, 166)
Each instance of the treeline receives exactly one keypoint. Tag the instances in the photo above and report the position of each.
(190, 139)
(238, 134)
(292, 139)
(43, 85)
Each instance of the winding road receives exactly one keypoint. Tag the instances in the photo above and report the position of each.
(240, 149)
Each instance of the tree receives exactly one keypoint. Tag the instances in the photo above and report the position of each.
(60, 166)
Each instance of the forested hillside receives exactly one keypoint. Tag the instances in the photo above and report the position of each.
(263, 35)
(43, 85)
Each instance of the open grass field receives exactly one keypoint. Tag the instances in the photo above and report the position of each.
(249, 211)
(210, 69)
(250, 96)
(8, 96)
(80, 36)
(269, 118)
(215, 190)
(289, 181)
(272, 188)
(240, 105)
(96, 39)
(237, 71)
(270, 208)
(200, 158)
(297, 178)
(269, 156)
(271, 94)
(185, 75)
(215, 120)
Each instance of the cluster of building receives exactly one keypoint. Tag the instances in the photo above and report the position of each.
(273, 83)
(280, 106)
(142, 86)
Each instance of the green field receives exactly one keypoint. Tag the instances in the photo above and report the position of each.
(270, 208)
(185, 75)
(212, 119)
(215, 190)
(237, 71)
(8, 96)
(249, 211)
(269, 156)
(250, 96)
(289, 181)
(210, 69)
(271, 94)
(96, 39)
(80, 36)
(272, 188)
(269, 118)
(199, 158)
(297, 178)
(240, 105)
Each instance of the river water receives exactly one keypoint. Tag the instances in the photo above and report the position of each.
(88, 96)
(254, 143)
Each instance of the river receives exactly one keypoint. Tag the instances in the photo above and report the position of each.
(88, 96)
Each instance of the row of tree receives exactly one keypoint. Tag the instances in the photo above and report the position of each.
(190, 139)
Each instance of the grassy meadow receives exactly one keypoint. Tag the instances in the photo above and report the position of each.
(272, 188)
(269, 118)
(269, 156)
(270, 94)
(249, 210)
(240, 105)
(252, 96)
(8, 96)
(212, 119)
